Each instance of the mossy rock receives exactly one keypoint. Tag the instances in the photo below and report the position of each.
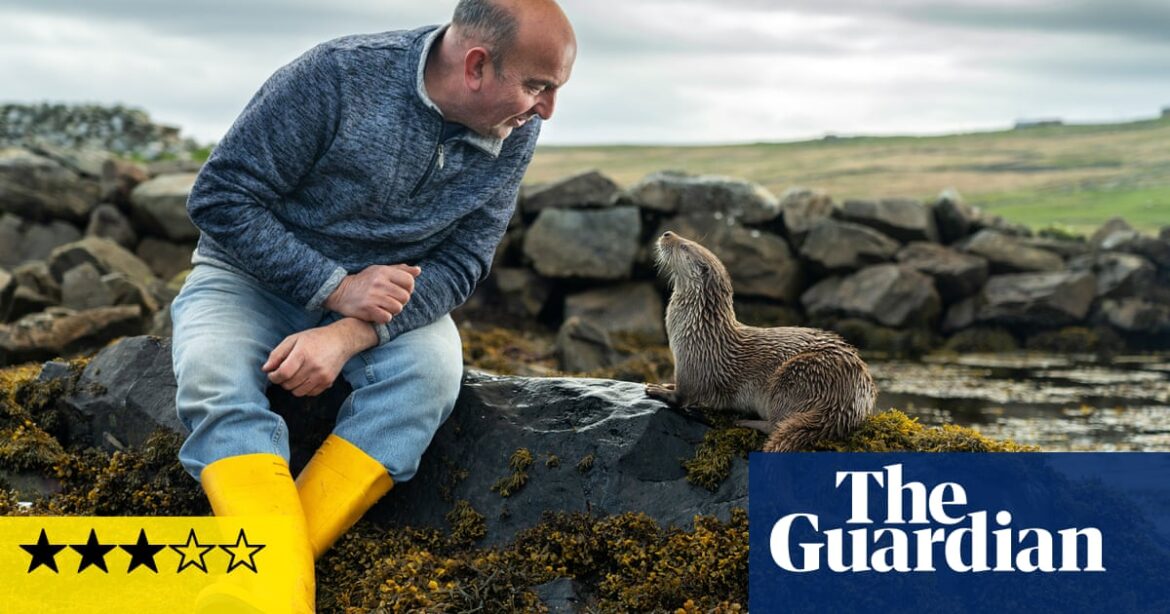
(982, 340)
(894, 431)
(1077, 339)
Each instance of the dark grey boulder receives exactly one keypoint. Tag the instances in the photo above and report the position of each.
(840, 247)
(889, 294)
(803, 208)
(1111, 226)
(8, 286)
(961, 315)
(25, 302)
(520, 292)
(22, 240)
(902, 219)
(119, 178)
(35, 275)
(104, 254)
(1043, 300)
(561, 596)
(588, 189)
(62, 332)
(671, 192)
(760, 263)
(584, 243)
(165, 259)
(1006, 254)
(1065, 248)
(626, 308)
(82, 288)
(160, 207)
(956, 275)
(953, 217)
(107, 222)
(636, 446)
(1118, 275)
(583, 345)
(1130, 241)
(1136, 315)
(39, 188)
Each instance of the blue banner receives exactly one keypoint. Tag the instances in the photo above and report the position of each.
(913, 532)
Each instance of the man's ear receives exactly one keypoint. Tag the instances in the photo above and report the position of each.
(474, 64)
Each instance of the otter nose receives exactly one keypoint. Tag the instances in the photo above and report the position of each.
(668, 234)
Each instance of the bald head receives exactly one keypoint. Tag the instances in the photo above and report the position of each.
(500, 26)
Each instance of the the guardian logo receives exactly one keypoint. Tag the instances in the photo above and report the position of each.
(938, 530)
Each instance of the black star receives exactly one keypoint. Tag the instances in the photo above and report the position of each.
(92, 553)
(43, 553)
(142, 553)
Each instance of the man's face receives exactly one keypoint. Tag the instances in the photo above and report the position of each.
(526, 86)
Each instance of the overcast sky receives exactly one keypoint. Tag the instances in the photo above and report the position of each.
(689, 71)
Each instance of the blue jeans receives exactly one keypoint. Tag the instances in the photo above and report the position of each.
(226, 324)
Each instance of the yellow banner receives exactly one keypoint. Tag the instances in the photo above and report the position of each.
(144, 564)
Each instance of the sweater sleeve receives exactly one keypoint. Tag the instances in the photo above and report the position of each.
(286, 127)
(451, 272)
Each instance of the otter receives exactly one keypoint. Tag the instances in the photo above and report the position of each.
(805, 384)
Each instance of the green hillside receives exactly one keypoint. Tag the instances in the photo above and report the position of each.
(1073, 175)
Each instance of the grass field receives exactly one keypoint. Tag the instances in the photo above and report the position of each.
(1075, 176)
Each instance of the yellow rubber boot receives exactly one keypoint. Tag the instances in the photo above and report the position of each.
(258, 485)
(338, 485)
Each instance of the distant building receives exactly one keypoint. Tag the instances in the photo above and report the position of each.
(1038, 123)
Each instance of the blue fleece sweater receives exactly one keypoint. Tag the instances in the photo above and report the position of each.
(338, 163)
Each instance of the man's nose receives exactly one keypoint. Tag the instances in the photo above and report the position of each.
(545, 104)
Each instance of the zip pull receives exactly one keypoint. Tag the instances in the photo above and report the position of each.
(441, 156)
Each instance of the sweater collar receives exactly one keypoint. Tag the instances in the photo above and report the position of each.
(488, 145)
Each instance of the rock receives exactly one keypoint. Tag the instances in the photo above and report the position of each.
(801, 209)
(1135, 315)
(521, 292)
(953, 218)
(109, 223)
(26, 301)
(561, 596)
(1133, 242)
(35, 275)
(889, 294)
(672, 192)
(126, 392)
(588, 189)
(22, 241)
(1112, 226)
(759, 262)
(126, 291)
(119, 178)
(104, 254)
(628, 308)
(82, 288)
(85, 161)
(636, 444)
(164, 258)
(1043, 300)
(956, 275)
(8, 288)
(592, 244)
(1006, 254)
(901, 219)
(1118, 275)
(160, 206)
(40, 189)
(60, 332)
(1065, 248)
(841, 247)
(583, 345)
(961, 315)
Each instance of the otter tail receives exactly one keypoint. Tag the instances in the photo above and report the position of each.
(822, 394)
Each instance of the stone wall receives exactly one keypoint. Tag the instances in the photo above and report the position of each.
(93, 247)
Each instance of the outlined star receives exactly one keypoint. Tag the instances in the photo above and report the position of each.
(189, 551)
(242, 544)
(43, 553)
(92, 553)
(142, 552)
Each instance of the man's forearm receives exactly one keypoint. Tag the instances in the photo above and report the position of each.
(357, 335)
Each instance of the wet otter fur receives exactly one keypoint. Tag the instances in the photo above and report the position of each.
(805, 384)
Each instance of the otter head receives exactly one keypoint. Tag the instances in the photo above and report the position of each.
(692, 266)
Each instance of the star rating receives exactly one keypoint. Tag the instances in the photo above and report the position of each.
(43, 553)
(142, 552)
(190, 550)
(92, 553)
(242, 544)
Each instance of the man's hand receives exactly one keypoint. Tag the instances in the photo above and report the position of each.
(307, 363)
(376, 294)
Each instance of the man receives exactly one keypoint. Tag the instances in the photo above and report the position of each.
(354, 203)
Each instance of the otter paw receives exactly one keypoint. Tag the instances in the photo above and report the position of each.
(663, 392)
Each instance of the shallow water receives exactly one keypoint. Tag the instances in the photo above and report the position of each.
(1058, 402)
